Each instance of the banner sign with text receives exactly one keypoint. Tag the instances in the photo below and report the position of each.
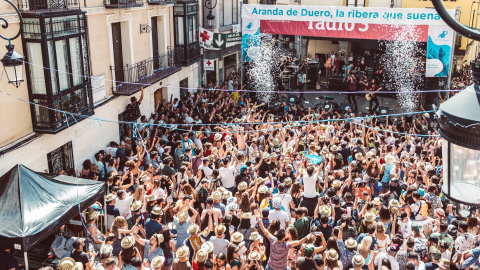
(370, 15)
(216, 41)
(341, 30)
(439, 51)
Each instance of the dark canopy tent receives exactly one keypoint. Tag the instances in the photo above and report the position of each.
(35, 205)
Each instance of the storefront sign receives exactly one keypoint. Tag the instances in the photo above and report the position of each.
(205, 38)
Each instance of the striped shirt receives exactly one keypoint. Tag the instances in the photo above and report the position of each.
(278, 254)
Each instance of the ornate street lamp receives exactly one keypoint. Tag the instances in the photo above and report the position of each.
(459, 125)
(13, 61)
(210, 4)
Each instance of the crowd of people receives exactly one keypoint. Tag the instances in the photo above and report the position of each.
(210, 181)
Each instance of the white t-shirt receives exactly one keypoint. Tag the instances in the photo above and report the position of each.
(280, 215)
(219, 245)
(124, 206)
(394, 174)
(310, 186)
(159, 192)
(207, 170)
(226, 173)
(406, 228)
(286, 199)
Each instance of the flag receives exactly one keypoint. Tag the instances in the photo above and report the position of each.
(205, 38)
(314, 158)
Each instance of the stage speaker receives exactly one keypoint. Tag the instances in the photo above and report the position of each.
(335, 83)
(312, 74)
(293, 98)
(345, 106)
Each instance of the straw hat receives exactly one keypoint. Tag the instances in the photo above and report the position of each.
(214, 150)
(389, 159)
(332, 255)
(92, 215)
(202, 255)
(106, 249)
(393, 202)
(217, 196)
(289, 150)
(323, 126)
(182, 216)
(160, 238)
(254, 256)
(312, 144)
(324, 152)
(444, 263)
(262, 189)
(157, 211)
(333, 148)
(273, 155)
(336, 183)
(358, 156)
(254, 236)
(242, 186)
(358, 260)
(287, 181)
(265, 155)
(128, 242)
(110, 197)
(369, 216)
(157, 261)
(182, 252)
(208, 246)
(286, 160)
(260, 180)
(227, 194)
(193, 229)
(376, 201)
(321, 138)
(246, 215)
(78, 266)
(395, 210)
(310, 137)
(151, 198)
(66, 263)
(144, 178)
(276, 142)
(350, 243)
(220, 229)
(237, 237)
(325, 209)
(136, 205)
(218, 137)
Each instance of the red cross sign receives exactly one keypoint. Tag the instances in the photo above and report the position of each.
(204, 35)
(208, 63)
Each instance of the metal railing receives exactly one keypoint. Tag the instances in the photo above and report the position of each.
(146, 72)
(26, 5)
(190, 54)
(123, 3)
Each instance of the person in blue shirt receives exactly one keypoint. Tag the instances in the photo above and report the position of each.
(376, 186)
(153, 223)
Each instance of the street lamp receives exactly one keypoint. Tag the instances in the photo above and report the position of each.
(459, 126)
(210, 4)
(13, 61)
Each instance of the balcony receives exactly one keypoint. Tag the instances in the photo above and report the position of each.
(123, 3)
(160, 2)
(47, 5)
(146, 72)
(50, 121)
(190, 54)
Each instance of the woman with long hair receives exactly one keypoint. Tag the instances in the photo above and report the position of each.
(273, 229)
(94, 234)
(296, 193)
(119, 229)
(364, 248)
(332, 244)
(373, 169)
(220, 262)
(332, 261)
(129, 252)
(233, 257)
(382, 238)
(245, 202)
(168, 247)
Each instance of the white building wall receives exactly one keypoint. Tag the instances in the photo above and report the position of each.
(90, 136)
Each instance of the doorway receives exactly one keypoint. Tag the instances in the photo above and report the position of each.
(154, 27)
(117, 51)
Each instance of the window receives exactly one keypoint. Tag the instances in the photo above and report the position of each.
(355, 3)
(57, 49)
(183, 87)
(61, 158)
(186, 31)
(227, 12)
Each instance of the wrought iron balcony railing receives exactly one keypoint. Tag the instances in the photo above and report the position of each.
(47, 5)
(131, 78)
(123, 3)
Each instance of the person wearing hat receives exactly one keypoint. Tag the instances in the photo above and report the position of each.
(202, 194)
(194, 241)
(347, 249)
(286, 199)
(112, 210)
(227, 173)
(211, 216)
(310, 189)
(444, 264)
(436, 256)
(358, 262)
(66, 263)
(181, 262)
(152, 246)
(94, 235)
(78, 255)
(182, 222)
(332, 261)
(307, 262)
(200, 259)
(153, 224)
(157, 262)
(219, 242)
(278, 213)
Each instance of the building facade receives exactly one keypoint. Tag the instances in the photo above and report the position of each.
(90, 58)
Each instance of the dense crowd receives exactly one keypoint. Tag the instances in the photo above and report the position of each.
(216, 181)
